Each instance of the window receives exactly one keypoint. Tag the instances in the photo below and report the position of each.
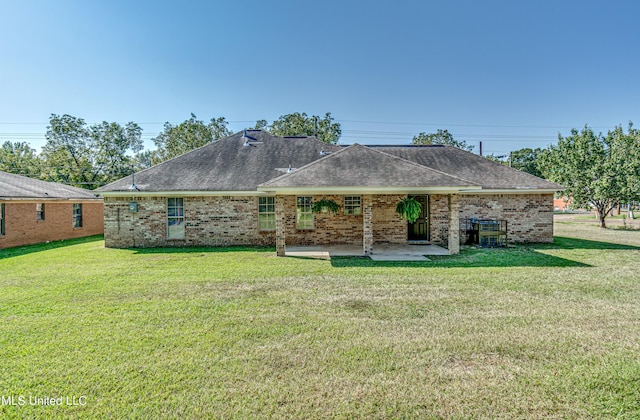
(77, 215)
(352, 204)
(267, 213)
(39, 211)
(2, 219)
(175, 218)
(304, 219)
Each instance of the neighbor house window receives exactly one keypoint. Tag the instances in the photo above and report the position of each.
(267, 213)
(77, 215)
(304, 214)
(352, 204)
(40, 211)
(2, 219)
(175, 218)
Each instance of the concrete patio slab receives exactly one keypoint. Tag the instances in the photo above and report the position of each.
(381, 252)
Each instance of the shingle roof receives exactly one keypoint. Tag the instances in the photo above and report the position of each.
(22, 187)
(479, 170)
(229, 165)
(361, 166)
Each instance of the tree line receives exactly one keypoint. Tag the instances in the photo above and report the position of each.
(599, 171)
(88, 156)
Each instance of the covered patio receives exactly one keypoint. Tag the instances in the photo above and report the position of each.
(377, 181)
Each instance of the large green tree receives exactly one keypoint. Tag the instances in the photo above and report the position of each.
(186, 136)
(443, 137)
(19, 158)
(599, 171)
(88, 156)
(300, 124)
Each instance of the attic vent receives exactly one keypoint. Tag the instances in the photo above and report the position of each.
(248, 140)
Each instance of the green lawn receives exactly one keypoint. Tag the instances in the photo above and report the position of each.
(525, 332)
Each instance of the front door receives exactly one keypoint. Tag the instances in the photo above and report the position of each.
(419, 230)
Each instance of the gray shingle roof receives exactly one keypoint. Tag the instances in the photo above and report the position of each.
(361, 166)
(479, 170)
(228, 165)
(22, 187)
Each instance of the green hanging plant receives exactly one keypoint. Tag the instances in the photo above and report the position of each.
(408, 208)
(325, 205)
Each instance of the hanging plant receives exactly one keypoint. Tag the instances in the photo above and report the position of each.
(408, 208)
(325, 205)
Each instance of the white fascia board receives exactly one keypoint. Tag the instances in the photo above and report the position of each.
(180, 193)
(363, 190)
(510, 191)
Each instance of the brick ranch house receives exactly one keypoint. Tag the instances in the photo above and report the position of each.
(34, 211)
(253, 188)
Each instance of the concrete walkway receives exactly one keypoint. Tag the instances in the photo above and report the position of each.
(381, 252)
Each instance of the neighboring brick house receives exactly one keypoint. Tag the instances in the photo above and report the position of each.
(253, 188)
(34, 211)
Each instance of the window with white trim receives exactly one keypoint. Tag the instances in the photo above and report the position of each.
(267, 213)
(352, 204)
(77, 215)
(304, 212)
(39, 211)
(175, 218)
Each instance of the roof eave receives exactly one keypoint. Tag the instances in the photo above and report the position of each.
(179, 193)
(359, 190)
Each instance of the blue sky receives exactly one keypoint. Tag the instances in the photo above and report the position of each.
(510, 73)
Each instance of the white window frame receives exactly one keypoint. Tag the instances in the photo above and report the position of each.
(304, 212)
(266, 213)
(352, 205)
(175, 218)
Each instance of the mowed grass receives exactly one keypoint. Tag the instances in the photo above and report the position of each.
(539, 331)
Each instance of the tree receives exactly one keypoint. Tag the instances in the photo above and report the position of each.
(77, 154)
(526, 160)
(441, 137)
(298, 124)
(188, 135)
(19, 158)
(596, 170)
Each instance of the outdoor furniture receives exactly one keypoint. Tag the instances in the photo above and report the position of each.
(486, 233)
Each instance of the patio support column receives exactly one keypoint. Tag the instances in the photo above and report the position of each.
(367, 228)
(280, 226)
(454, 224)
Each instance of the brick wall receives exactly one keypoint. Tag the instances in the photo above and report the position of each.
(220, 220)
(529, 216)
(388, 226)
(209, 221)
(22, 228)
(330, 228)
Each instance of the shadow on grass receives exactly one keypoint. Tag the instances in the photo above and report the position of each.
(563, 242)
(529, 255)
(469, 258)
(30, 249)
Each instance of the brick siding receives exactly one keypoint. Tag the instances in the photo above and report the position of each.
(209, 221)
(22, 228)
(233, 220)
(529, 216)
